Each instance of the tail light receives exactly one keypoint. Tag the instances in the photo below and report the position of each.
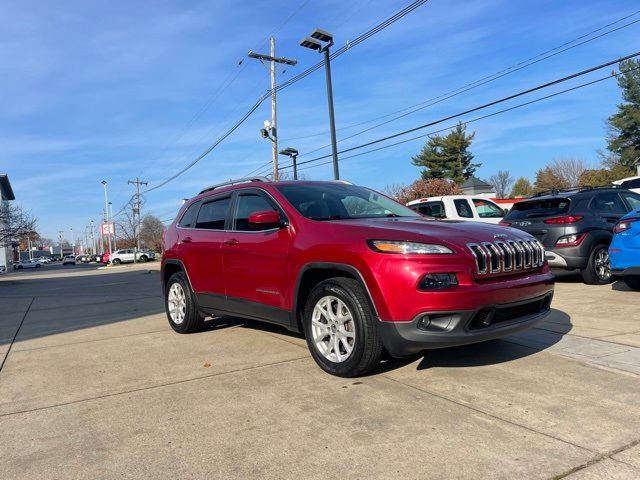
(565, 219)
(624, 225)
(570, 240)
(504, 223)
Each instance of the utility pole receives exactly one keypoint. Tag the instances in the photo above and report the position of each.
(137, 182)
(60, 237)
(274, 114)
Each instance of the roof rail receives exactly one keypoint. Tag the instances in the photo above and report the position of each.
(233, 182)
(558, 191)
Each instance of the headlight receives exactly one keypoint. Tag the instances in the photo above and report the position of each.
(394, 246)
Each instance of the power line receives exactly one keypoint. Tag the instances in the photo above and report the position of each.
(386, 23)
(481, 107)
(500, 72)
(473, 120)
(477, 83)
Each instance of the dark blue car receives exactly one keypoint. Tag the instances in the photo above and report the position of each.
(624, 251)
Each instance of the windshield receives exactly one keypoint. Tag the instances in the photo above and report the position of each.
(539, 208)
(324, 201)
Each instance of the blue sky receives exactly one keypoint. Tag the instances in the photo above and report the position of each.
(109, 90)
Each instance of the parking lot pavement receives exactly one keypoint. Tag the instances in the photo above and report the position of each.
(96, 385)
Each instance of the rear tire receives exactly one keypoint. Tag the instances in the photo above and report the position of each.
(340, 328)
(633, 282)
(180, 305)
(598, 270)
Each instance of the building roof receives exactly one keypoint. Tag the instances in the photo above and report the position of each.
(475, 182)
(6, 192)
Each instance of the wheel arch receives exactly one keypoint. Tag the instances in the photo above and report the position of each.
(313, 273)
(171, 266)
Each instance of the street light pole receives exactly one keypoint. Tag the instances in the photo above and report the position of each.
(315, 42)
(115, 247)
(293, 153)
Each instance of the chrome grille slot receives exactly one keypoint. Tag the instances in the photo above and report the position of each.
(494, 257)
(518, 257)
(503, 256)
(507, 256)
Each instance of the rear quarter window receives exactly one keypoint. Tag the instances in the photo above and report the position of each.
(539, 208)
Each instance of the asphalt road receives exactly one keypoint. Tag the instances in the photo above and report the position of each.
(94, 384)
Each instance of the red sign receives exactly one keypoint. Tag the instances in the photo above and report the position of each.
(107, 229)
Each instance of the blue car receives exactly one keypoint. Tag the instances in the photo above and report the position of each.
(624, 251)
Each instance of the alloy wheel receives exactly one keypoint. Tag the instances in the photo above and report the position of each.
(333, 329)
(177, 303)
(602, 265)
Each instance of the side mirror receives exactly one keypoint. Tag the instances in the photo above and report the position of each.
(505, 210)
(264, 220)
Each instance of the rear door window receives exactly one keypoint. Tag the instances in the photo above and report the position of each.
(213, 214)
(463, 208)
(632, 200)
(608, 203)
(539, 208)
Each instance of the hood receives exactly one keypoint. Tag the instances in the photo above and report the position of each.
(437, 231)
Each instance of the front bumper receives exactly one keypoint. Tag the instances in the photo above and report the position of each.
(454, 328)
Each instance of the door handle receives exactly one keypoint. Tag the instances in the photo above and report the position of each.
(231, 242)
(186, 240)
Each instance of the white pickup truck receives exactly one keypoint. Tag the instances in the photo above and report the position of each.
(459, 207)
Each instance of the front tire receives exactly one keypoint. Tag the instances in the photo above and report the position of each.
(143, 259)
(632, 282)
(340, 328)
(180, 305)
(116, 261)
(598, 270)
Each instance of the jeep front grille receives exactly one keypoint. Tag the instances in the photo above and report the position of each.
(503, 256)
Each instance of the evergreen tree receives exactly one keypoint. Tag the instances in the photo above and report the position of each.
(624, 137)
(447, 157)
(522, 188)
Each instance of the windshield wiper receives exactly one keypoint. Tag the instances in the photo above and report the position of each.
(331, 217)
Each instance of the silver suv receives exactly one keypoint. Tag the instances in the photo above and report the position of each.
(129, 255)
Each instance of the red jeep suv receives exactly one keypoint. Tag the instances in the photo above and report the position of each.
(353, 270)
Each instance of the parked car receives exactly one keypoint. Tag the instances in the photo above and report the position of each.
(631, 183)
(459, 207)
(26, 264)
(129, 255)
(575, 227)
(624, 250)
(43, 260)
(69, 260)
(355, 271)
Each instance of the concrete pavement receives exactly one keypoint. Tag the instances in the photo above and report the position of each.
(96, 385)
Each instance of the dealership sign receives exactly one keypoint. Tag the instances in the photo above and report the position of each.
(107, 229)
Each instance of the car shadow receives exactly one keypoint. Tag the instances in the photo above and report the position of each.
(481, 354)
(621, 286)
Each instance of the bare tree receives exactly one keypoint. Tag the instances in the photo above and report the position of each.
(14, 222)
(394, 190)
(501, 182)
(126, 227)
(151, 232)
(568, 170)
